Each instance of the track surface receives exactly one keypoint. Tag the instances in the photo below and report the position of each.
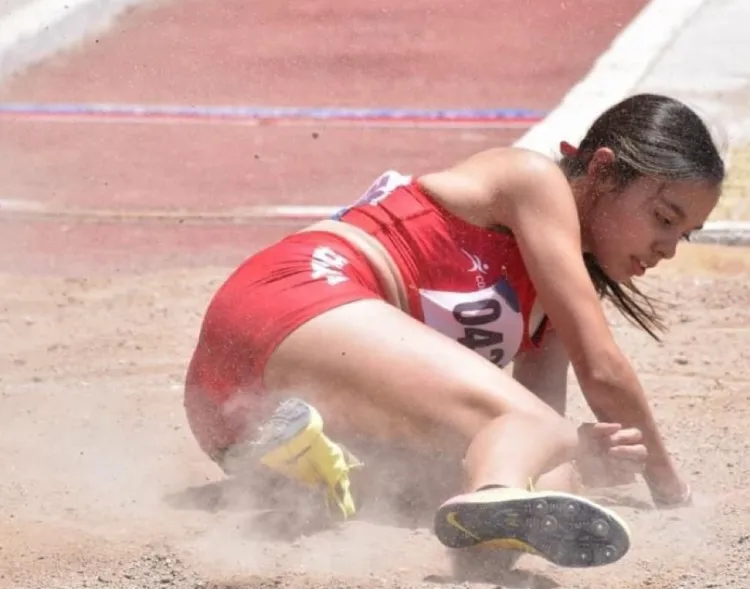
(423, 54)
(102, 485)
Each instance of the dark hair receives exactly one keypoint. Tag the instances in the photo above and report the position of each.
(650, 135)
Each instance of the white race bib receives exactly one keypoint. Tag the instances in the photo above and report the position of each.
(484, 321)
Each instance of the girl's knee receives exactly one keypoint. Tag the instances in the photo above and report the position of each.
(565, 433)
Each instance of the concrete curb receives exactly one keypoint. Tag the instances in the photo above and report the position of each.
(43, 27)
(615, 75)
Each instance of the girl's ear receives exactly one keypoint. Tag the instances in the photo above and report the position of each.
(599, 170)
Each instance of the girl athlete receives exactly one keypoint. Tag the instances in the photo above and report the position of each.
(394, 319)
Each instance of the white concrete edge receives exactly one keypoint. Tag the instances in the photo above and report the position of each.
(720, 232)
(614, 76)
(42, 28)
(723, 233)
(34, 18)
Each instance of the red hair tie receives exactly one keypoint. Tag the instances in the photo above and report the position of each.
(568, 150)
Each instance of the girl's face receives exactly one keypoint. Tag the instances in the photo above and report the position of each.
(632, 230)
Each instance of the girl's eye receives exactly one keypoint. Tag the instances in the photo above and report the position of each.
(666, 221)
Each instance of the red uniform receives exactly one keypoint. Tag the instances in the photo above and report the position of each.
(467, 282)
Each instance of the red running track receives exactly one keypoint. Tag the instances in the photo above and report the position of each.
(420, 54)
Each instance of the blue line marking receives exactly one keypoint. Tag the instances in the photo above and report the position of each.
(272, 113)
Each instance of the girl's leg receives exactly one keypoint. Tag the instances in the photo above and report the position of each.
(373, 371)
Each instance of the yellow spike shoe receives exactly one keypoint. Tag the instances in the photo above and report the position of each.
(292, 443)
(564, 529)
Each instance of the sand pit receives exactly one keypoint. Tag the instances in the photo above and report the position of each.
(103, 485)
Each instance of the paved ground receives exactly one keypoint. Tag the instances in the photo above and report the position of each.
(103, 485)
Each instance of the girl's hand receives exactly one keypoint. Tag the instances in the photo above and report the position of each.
(610, 455)
(675, 493)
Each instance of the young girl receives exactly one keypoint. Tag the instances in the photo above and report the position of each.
(394, 320)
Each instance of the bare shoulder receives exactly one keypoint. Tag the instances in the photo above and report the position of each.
(489, 186)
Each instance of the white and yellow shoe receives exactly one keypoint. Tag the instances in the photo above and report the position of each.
(292, 443)
(565, 529)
